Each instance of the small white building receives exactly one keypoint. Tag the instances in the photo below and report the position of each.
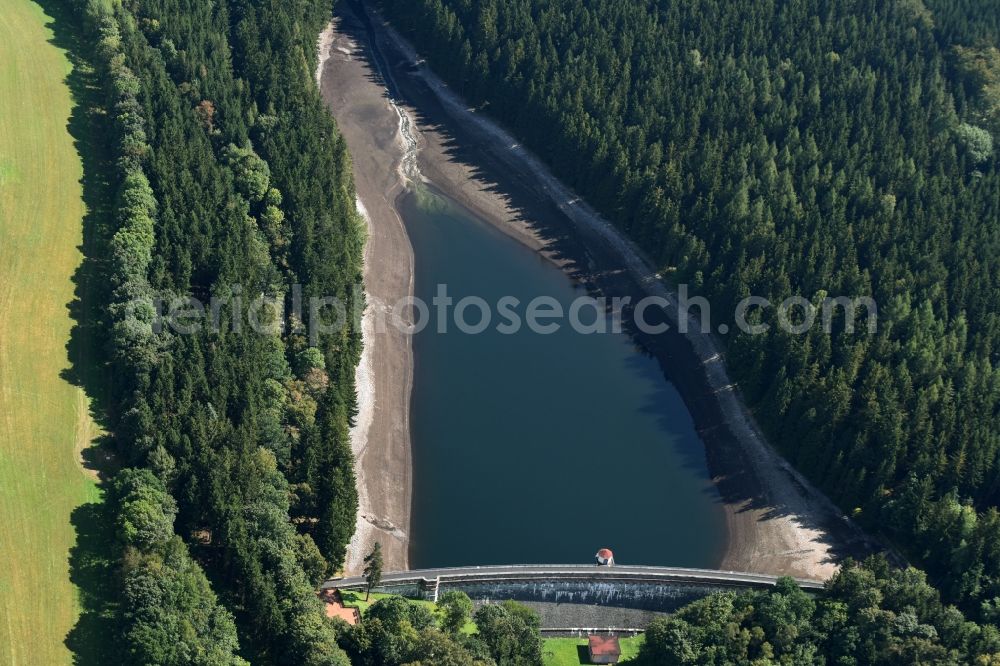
(605, 558)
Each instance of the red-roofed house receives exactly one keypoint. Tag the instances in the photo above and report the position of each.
(604, 649)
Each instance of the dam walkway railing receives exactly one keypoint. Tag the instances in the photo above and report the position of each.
(638, 587)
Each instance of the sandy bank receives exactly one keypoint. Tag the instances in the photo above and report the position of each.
(380, 438)
(777, 522)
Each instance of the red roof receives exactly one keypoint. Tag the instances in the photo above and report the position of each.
(605, 553)
(604, 646)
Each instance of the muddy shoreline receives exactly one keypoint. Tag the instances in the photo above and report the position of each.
(776, 522)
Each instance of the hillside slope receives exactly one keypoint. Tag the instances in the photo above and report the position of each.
(788, 149)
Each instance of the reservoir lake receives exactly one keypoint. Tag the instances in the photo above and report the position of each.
(541, 448)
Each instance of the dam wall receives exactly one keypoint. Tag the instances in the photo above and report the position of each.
(648, 589)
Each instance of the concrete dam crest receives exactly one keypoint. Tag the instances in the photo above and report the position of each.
(575, 598)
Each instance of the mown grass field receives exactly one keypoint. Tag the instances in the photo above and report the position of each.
(44, 420)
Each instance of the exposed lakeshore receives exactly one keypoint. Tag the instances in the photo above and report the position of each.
(776, 522)
(380, 438)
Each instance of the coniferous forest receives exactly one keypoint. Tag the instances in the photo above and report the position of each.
(802, 147)
(810, 147)
(232, 181)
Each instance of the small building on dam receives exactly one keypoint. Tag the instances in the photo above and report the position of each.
(605, 557)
